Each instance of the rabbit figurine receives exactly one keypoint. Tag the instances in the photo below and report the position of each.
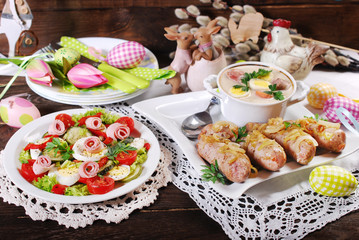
(182, 58)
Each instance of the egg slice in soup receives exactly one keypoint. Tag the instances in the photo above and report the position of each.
(258, 84)
(238, 92)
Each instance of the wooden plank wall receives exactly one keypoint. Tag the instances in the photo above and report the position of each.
(331, 21)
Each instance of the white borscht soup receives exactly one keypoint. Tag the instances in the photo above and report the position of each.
(256, 84)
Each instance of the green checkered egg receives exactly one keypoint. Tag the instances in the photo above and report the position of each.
(71, 55)
(332, 181)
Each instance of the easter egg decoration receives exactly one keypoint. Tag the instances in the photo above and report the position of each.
(71, 55)
(332, 104)
(319, 93)
(17, 112)
(126, 55)
(332, 181)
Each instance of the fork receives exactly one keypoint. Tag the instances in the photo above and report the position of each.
(48, 49)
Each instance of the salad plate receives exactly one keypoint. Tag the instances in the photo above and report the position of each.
(170, 111)
(35, 129)
(99, 96)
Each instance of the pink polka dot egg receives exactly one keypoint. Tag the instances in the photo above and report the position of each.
(126, 55)
(17, 112)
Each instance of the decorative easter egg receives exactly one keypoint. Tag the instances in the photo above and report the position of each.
(332, 104)
(332, 181)
(126, 55)
(71, 55)
(16, 111)
(319, 93)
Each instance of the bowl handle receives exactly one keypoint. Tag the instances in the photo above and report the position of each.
(209, 83)
(300, 94)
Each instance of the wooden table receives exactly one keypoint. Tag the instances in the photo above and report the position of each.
(174, 215)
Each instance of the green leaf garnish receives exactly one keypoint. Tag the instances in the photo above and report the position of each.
(278, 95)
(212, 173)
(248, 76)
(60, 148)
(316, 118)
(242, 132)
(289, 124)
(118, 148)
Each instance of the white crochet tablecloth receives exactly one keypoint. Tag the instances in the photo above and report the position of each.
(279, 208)
(284, 207)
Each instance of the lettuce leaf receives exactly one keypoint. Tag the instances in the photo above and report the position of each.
(106, 117)
(77, 190)
(45, 183)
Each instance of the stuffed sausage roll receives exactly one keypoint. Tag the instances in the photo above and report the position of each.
(299, 145)
(266, 152)
(214, 143)
(328, 135)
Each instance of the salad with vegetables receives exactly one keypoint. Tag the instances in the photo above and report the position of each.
(84, 154)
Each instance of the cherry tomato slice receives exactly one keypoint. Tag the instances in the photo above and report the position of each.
(127, 121)
(59, 189)
(66, 119)
(127, 158)
(100, 185)
(147, 146)
(102, 162)
(27, 172)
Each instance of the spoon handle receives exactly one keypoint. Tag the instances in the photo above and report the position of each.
(214, 101)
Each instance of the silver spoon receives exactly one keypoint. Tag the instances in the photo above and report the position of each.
(192, 125)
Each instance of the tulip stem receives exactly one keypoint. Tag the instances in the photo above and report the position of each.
(22, 66)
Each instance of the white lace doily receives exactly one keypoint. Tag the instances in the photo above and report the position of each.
(80, 215)
(265, 212)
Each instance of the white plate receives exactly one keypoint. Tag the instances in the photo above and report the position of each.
(35, 129)
(169, 112)
(57, 94)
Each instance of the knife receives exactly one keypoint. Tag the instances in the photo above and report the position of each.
(117, 78)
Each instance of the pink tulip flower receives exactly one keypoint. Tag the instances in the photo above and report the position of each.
(85, 75)
(40, 72)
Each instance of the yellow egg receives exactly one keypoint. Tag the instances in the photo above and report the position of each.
(238, 92)
(332, 181)
(258, 84)
(65, 176)
(119, 172)
(319, 93)
(267, 77)
(71, 55)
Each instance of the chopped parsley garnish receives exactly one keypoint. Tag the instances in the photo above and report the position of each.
(242, 132)
(60, 148)
(289, 124)
(212, 173)
(278, 95)
(248, 76)
(116, 149)
(316, 117)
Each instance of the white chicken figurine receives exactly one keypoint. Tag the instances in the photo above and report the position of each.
(282, 52)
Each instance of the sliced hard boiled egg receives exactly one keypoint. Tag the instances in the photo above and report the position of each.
(267, 77)
(81, 154)
(138, 143)
(238, 92)
(119, 172)
(54, 156)
(65, 176)
(258, 84)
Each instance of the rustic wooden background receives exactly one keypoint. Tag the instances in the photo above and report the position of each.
(331, 21)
